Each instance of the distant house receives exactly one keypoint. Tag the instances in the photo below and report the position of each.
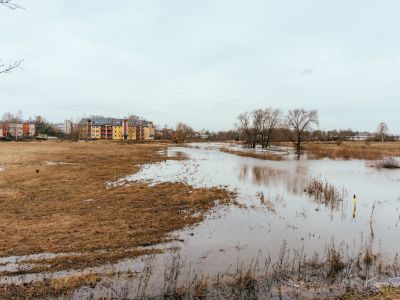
(101, 128)
(17, 130)
(65, 127)
(203, 134)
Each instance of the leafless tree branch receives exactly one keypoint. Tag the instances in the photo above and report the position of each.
(10, 4)
(4, 68)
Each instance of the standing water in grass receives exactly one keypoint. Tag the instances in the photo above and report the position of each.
(307, 203)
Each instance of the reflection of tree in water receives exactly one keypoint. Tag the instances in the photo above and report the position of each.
(297, 181)
(294, 182)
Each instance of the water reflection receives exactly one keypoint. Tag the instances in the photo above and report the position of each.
(274, 207)
(294, 181)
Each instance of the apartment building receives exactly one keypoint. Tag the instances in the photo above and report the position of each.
(100, 128)
(65, 127)
(17, 130)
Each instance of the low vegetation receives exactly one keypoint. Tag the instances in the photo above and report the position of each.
(254, 154)
(65, 207)
(387, 163)
(340, 273)
(48, 288)
(352, 150)
(324, 193)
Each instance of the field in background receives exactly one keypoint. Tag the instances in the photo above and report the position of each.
(353, 150)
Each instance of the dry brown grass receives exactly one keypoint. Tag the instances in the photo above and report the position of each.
(387, 163)
(254, 154)
(47, 288)
(324, 193)
(353, 150)
(66, 207)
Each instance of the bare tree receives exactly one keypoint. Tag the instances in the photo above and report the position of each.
(298, 121)
(257, 118)
(244, 128)
(182, 132)
(6, 68)
(271, 119)
(12, 118)
(382, 130)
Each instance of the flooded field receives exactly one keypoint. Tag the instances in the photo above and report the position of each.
(276, 207)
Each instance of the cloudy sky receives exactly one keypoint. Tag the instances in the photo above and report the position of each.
(204, 62)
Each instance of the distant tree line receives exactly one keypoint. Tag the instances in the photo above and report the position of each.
(180, 134)
(263, 126)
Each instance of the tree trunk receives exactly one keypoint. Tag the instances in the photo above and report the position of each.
(254, 140)
(263, 140)
(268, 138)
(298, 146)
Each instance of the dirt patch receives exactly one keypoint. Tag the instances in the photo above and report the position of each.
(66, 207)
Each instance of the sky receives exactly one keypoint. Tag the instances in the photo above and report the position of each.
(204, 62)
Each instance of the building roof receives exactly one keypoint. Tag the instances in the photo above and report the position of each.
(101, 121)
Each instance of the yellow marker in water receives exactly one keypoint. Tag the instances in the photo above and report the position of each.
(355, 206)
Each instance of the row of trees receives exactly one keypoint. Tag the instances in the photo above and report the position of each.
(258, 126)
(181, 133)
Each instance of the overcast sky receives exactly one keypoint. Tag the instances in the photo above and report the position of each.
(204, 62)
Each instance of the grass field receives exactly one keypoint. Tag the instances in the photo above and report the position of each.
(53, 199)
(353, 150)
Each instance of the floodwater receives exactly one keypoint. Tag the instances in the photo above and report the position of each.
(278, 209)
(273, 208)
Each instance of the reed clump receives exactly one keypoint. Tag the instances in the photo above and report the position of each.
(387, 163)
(324, 193)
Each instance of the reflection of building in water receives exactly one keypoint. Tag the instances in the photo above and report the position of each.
(294, 180)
